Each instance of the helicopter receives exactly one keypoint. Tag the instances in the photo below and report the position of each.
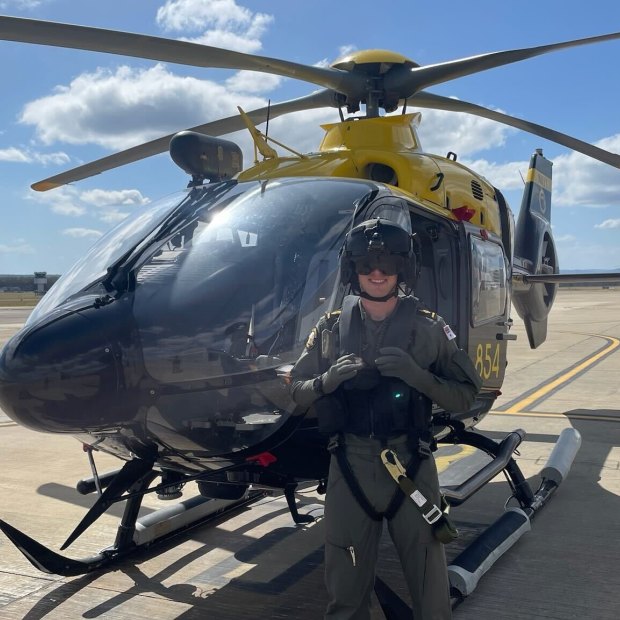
(169, 344)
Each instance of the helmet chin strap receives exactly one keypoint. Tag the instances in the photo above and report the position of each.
(387, 297)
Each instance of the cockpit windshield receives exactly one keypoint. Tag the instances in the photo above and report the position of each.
(231, 296)
(244, 279)
(112, 246)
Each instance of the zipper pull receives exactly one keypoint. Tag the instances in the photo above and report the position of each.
(351, 550)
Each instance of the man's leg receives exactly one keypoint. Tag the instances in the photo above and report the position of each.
(421, 556)
(351, 547)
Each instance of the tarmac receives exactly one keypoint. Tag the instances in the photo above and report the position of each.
(257, 563)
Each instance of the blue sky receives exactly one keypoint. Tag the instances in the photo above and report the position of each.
(60, 108)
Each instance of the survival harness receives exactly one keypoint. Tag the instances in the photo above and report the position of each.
(399, 408)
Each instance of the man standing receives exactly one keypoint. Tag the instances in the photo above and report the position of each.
(371, 372)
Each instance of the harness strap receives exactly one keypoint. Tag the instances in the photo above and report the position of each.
(337, 449)
(354, 485)
(412, 471)
(350, 326)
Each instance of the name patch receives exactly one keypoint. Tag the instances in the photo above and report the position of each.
(450, 335)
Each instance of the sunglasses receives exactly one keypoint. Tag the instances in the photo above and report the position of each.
(389, 265)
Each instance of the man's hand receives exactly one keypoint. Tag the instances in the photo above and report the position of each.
(341, 370)
(394, 362)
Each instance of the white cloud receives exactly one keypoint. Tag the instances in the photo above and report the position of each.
(253, 82)
(100, 204)
(81, 233)
(247, 43)
(608, 224)
(13, 154)
(221, 23)
(582, 181)
(504, 176)
(106, 198)
(20, 5)
(119, 109)
(463, 134)
(25, 156)
(65, 207)
(196, 15)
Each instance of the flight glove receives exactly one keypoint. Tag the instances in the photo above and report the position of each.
(341, 370)
(394, 362)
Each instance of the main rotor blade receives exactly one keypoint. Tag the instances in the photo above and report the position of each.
(428, 100)
(408, 81)
(320, 99)
(169, 50)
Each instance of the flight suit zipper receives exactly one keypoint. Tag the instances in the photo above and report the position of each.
(351, 551)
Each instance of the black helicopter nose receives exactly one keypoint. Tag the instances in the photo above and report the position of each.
(62, 373)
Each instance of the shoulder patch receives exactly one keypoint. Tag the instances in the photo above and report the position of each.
(312, 339)
(428, 314)
(447, 330)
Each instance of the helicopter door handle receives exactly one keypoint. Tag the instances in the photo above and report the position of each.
(437, 185)
(503, 336)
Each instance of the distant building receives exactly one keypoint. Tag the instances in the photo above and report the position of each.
(40, 282)
(25, 283)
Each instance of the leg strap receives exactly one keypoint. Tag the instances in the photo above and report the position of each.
(337, 449)
(354, 485)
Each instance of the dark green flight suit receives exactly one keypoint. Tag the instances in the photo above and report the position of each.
(352, 537)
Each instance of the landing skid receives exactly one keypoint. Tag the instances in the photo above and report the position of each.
(473, 562)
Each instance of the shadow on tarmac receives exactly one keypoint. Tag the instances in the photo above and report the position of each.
(565, 564)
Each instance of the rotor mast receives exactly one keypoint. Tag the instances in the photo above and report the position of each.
(374, 66)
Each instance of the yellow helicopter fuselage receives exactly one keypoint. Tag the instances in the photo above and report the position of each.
(387, 149)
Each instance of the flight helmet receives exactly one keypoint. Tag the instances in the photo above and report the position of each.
(379, 244)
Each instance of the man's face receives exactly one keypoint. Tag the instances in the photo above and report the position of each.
(377, 283)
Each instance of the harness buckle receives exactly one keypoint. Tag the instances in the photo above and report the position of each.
(424, 449)
(433, 515)
(334, 444)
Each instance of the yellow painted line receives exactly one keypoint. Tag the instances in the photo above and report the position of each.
(566, 416)
(444, 461)
(525, 402)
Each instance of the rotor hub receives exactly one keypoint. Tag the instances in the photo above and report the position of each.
(374, 65)
(372, 62)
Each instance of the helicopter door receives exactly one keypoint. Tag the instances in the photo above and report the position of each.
(488, 306)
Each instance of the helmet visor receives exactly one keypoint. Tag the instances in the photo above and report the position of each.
(389, 264)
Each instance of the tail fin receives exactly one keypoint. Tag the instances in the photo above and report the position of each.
(534, 251)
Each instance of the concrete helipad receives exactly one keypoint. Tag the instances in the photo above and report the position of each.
(259, 564)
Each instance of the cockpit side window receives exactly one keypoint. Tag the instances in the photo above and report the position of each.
(488, 280)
